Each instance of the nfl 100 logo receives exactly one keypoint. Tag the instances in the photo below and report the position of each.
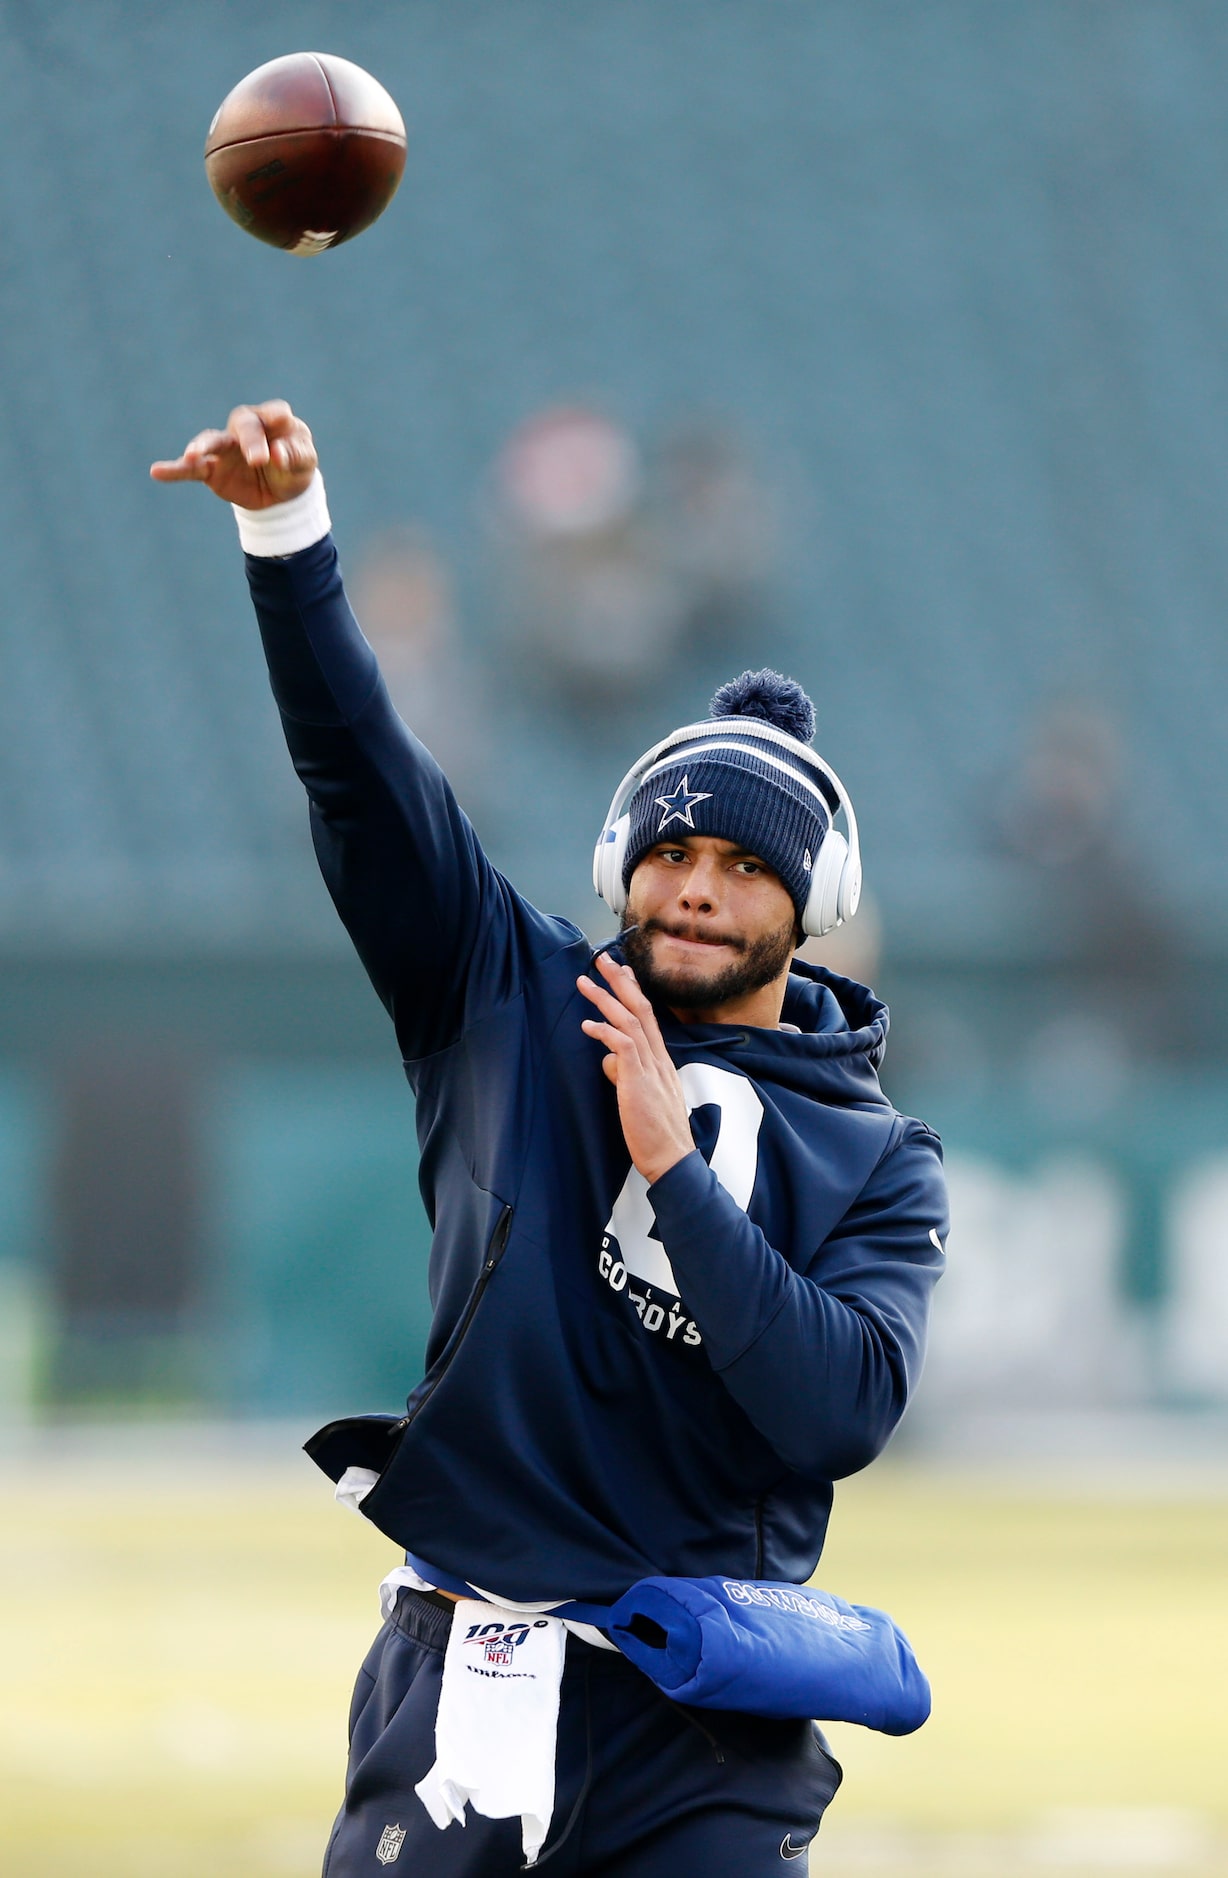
(498, 1641)
(390, 1842)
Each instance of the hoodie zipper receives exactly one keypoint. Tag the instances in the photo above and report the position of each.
(758, 1538)
(494, 1252)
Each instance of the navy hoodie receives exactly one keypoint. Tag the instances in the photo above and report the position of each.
(621, 1380)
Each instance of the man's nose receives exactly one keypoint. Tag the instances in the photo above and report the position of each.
(699, 892)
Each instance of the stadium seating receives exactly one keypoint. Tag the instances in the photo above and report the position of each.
(950, 282)
(955, 276)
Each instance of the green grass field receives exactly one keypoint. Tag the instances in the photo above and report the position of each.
(177, 1660)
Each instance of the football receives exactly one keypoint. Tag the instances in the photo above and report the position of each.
(306, 152)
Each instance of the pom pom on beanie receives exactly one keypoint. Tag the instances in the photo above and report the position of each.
(769, 696)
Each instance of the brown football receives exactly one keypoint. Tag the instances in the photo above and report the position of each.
(306, 151)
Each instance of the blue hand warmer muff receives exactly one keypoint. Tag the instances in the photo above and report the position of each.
(786, 1651)
(771, 1649)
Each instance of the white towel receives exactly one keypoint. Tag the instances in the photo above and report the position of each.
(354, 1486)
(496, 1728)
(498, 1720)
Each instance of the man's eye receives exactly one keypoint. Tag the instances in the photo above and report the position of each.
(751, 867)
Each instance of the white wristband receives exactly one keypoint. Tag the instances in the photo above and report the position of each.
(287, 526)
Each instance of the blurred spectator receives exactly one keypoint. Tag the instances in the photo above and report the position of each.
(1065, 819)
(126, 1277)
(1060, 802)
(403, 598)
(1121, 999)
(717, 532)
(610, 578)
(592, 609)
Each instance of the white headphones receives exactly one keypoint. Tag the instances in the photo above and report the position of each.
(835, 881)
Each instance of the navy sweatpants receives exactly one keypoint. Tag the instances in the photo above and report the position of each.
(644, 1789)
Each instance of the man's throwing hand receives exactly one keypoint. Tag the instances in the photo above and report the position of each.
(651, 1105)
(264, 456)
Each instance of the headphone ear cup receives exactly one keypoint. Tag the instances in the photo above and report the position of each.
(830, 881)
(608, 861)
(849, 897)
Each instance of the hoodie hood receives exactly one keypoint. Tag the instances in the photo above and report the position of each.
(833, 1055)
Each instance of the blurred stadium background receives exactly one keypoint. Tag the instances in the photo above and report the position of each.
(882, 343)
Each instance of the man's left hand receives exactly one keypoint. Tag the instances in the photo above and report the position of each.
(651, 1105)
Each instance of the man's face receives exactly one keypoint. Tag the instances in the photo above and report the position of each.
(714, 923)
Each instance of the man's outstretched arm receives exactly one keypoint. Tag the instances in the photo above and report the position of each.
(436, 926)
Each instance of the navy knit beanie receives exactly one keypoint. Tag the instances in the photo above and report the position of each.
(739, 787)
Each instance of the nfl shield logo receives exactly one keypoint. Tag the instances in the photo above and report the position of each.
(390, 1842)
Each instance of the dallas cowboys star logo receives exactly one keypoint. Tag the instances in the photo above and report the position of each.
(679, 803)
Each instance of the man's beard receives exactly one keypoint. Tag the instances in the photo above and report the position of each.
(759, 962)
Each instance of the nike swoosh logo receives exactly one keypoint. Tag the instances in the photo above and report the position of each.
(789, 1850)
